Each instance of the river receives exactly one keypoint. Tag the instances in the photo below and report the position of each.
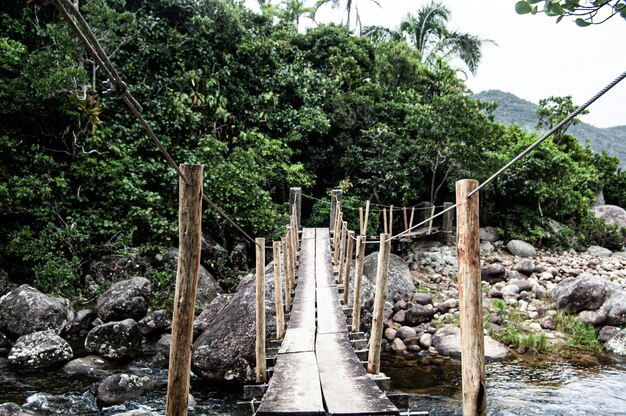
(545, 386)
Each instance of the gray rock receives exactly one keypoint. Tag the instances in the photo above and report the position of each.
(116, 340)
(448, 342)
(525, 266)
(125, 299)
(444, 307)
(617, 344)
(523, 285)
(400, 280)
(13, 409)
(79, 328)
(510, 290)
(405, 332)
(212, 251)
(521, 248)
(136, 412)
(426, 341)
(419, 314)
(595, 318)
(607, 332)
(205, 318)
(5, 283)
(226, 349)
(120, 388)
(26, 310)
(40, 349)
(397, 345)
(163, 345)
(615, 308)
(493, 273)
(548, 323)
(155, 322)
(239, 256)
(390, 334)
(489, 234)
(399, 317)
(612, 214)
(598, 251)
(585, 292)
(422, 298)
(208, 287)
(91, 365)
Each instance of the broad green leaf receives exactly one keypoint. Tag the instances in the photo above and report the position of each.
(582, 22)
(523, 7)
(535, 1)
(558, 19)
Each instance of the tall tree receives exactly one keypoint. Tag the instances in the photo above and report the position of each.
(350, 5)
(428, 32)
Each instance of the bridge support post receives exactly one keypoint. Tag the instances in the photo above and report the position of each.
(376, 335)
(286, 273)
(358, 280)
(346, 275)
(335, 205)
(295, 200)
(470, 301)
(261, 365)
(342, 251)
(190, 237)
(278, 293)
(446, 223)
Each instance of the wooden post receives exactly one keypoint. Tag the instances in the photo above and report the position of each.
(190, 237)
(278, 293)
(261, 370)
(470, 301)
(295, 200)
(335, 230)
(335, 205)
(446, 222)
(424, 210)
(391, 220)
(385, 228)
(342, 251)
(430, 223)
(346, 275)
(376, 336)
(339, 237)
(296, 240)
(367, 216)
(358, 279)
(406, 220)
(361, 220)
(286, 273)
(412, 216)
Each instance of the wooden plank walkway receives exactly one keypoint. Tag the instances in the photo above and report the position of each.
(317, 371)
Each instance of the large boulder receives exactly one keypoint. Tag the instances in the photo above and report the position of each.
(25, 310)
(154, 323)
(225, 351)
(617, 344)
(612, 311)
(40, 349)
(207, 288)
(118, 267)
(125, 299)
(13, 409)
(91, 365)
(612, 214)
(205, 318)
(419, 314)
(493, 273)
(212, 251)
(598, 251)
(120, 388)
(489, 234)
(521, 248)
(78, 329)
(116, 340)
(584, 292)
(447, 341)
(399, 280)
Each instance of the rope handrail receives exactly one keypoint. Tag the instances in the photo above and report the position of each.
(395, 208)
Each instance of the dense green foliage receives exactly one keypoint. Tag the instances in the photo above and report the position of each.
(263, 107)
(584, 13)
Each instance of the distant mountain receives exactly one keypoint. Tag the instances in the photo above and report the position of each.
(512, 109)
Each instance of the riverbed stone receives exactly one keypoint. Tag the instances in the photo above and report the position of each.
(390, 334)
(125, 299)
(13, 409)
(120, 388)
(155, 322)
(207, 288)
(400, 280)
(489, 234)
(225, 351)
(525, 266)
(405, 332)
(422, 298)
(521, 248)
(40, 349)
(584, 292)
(419, 314)
(548, 322)
(607, 332)
(493, 273)
(25, 310)
(399, 317)
(163, 345)
(617, 344)
(615, 308)
(91, 365)
(447, 341)
(117, 340)
(205, 318)
(612, 214)
(598, 251)
(426, 341)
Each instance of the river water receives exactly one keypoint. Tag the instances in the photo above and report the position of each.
(544, 386)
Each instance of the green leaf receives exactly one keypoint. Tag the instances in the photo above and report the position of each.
(558, 19)
(535, 1)
(582, 22)
(523, 7)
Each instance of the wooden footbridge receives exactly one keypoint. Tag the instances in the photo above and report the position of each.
(317, 371)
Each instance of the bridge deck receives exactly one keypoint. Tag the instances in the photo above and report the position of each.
(317, 371)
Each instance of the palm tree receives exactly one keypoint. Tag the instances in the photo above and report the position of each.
(349, 5)
(428, 33)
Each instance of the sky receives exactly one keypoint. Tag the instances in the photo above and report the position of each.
(534, 57)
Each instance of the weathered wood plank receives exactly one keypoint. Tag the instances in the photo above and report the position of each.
(294, 388)
(330, 316)
(346, 387)
(323, 268)
(298, 340)
(305, 290)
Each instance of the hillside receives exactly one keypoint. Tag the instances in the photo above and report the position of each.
(512, 109)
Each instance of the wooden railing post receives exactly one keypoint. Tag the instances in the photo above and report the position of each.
(295, 200)
(278, 293)
(286, 273)
(342, 251)
(190, 237)
(430, 223)
(470, 301)
(424, 211)
(405, 218)
(339, 228)
(335, 205)
(358, 280)
(261, 370)
(346, 275)
(412, 216)
(367, 215)
(376, 336)
(385, 227)
(446, 222)
(391, 220)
